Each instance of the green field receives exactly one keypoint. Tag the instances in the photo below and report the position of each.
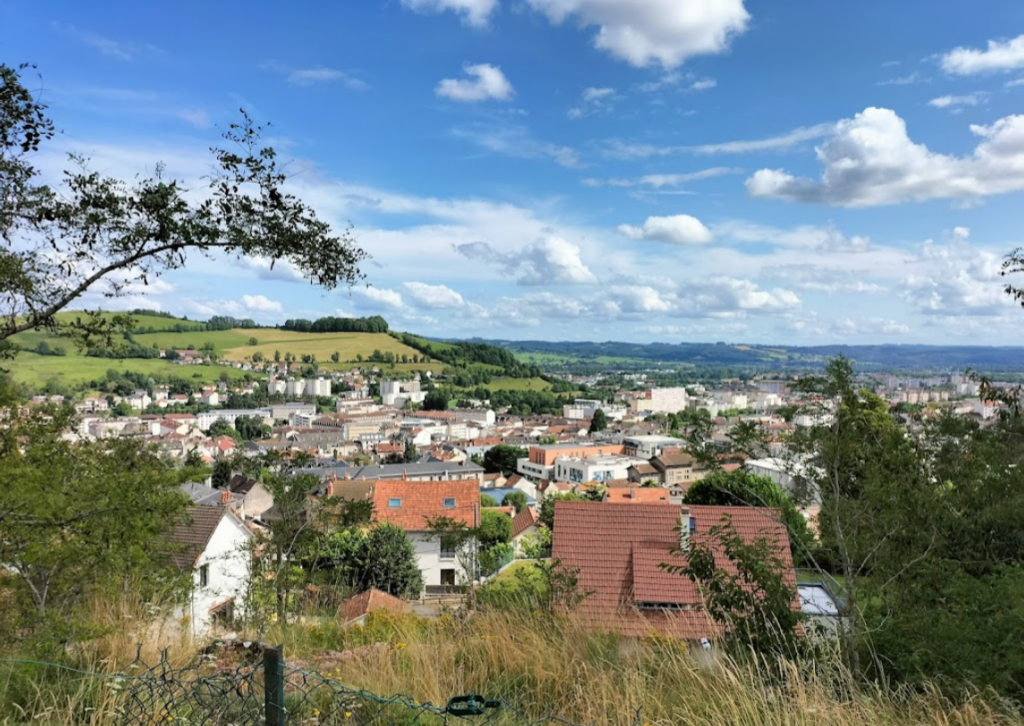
(518, 384)
(74, 368)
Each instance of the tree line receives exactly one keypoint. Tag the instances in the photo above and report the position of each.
(330, 324)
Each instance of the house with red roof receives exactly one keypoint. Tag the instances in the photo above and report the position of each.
(412, 504)
(617, 549)
(354, 610)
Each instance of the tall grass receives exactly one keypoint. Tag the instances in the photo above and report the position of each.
(552, 665)
(541, 664)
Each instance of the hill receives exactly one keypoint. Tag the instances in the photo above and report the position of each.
(567, 354)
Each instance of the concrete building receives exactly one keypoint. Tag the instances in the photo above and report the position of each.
(649, 446)
(318, 387)
(585, 408)
(396, 393)
(295, 388)
(276, 386)
(540, 462)
(577, 470)
(662, 400)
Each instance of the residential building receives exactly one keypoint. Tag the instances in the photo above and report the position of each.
(650, 445)
(585, 408)
(616, 551)
(578, 470)
(662, 400)
(411, 504)
(524, 524)
(430, 471)
(540, 463)
(214, 545)
(397, 393)
(317, 387)
(677, 469)
(276, 386)
(354, 610)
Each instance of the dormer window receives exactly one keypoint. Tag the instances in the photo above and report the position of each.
(394, 503)
(449, 503)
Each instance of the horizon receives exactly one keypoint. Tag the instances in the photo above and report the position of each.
(575, 174)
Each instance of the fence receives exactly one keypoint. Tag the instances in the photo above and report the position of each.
(266, 692)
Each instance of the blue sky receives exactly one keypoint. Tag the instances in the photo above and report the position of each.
(643, 170)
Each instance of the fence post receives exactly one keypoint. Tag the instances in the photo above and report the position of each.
(273, 685)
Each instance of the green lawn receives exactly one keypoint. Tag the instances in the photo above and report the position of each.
(518, 384)
(74, 369)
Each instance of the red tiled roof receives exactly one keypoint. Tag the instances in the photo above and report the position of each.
(669, 461)
(367, 602)
(617, 549)
(421, 500)
(193, 534)
(648, 495)
(523, 520)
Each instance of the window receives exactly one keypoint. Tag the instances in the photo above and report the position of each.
(394, 503)
(204, 575)
(449, 503)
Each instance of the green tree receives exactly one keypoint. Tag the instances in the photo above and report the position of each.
(599, 421)
(221, 427)
(435, 400)
(410, 454)
(335, 356)
(546, 515)
(740, 488)
(253, 341)
(389, 562)
(79, 519)
(250, 428)
(516, 499)
(495, 528)
(487, 501)
(222, 473)
(751, 598)
(504, 459)
(277, 356)
(139, 230)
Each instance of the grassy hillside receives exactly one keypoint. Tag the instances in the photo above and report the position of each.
(322, 345)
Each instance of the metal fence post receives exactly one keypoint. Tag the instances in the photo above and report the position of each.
(273, 685)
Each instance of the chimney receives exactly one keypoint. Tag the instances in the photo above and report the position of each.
(225, 497)
(632, 490)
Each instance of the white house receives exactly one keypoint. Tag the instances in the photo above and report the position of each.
(214, 545)
(409, 504)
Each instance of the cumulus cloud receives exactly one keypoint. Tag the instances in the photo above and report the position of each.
(473, 12)
(433, 296)
(871, 161)
(997, 56)
(548, 260)
(646, 32)
(956, 279)
(485, 82)
(269, 269)
(377, 297)
(678, 229)
(703, 85)
(261, 304)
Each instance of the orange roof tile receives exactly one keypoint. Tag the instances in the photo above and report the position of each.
(617, 550)
(523, 520)
(367, 602)
(418, 501)
(648, 495)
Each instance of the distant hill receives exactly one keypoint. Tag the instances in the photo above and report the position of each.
(767, 357)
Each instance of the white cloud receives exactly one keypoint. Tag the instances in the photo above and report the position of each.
(618, 149)
(772, 143)
(956, 279)
(872, 326)
(906, 80)
(678, 229)
(997, 56)
(106, 46)
(486, 82)
(517, 142)
(1015, 83)
(804, 237)
(268, 269)
(433, 296)
(473, 12)
(971, 99)
(547, 261)
(261, 304)
(871, 161)
(673, 180)
(645, 32)
(309, 76)
(703, 85)
(377, 297)
(592, 100)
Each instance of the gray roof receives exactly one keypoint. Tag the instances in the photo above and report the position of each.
(396, 471)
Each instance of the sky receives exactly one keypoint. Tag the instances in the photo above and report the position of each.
(784, 172)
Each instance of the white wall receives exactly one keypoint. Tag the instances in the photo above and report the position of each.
(227, 556)
(428, 556)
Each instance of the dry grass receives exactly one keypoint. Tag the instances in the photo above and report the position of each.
(541, 665)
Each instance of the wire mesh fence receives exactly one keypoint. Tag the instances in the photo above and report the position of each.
(264, 691)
